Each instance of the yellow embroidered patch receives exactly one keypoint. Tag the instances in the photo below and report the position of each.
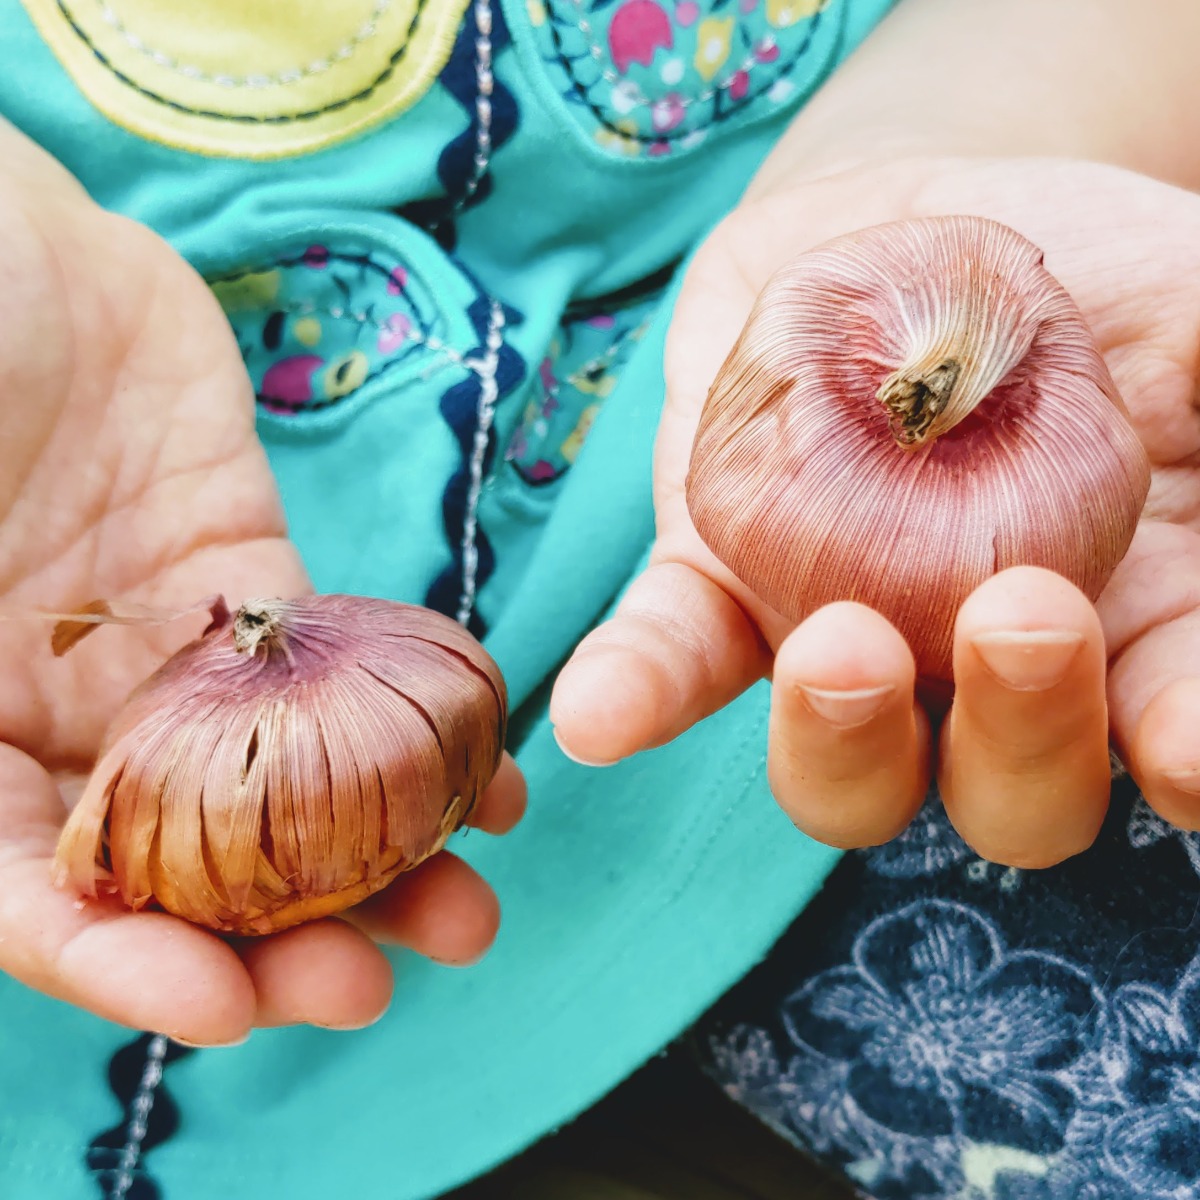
(250, 78)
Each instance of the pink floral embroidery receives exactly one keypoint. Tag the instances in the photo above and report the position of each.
(657, 75)
(290, 381)
(667, 112)
(398, 329)
(639, 28)
(766, 50)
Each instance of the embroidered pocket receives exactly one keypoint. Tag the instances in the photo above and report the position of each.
(250, 78)
(655, 78)
(574, 379)
(317, 325)
(565, 392)
(380, 371)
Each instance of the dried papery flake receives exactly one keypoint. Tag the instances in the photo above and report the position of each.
(288, 763)
(910, 409)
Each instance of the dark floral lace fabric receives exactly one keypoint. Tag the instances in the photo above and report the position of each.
(940, 1028)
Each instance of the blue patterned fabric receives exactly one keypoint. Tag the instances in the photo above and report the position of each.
(940, 1028)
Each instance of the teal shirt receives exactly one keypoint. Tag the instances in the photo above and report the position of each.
(454, 322)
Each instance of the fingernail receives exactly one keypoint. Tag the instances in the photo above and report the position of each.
(1028, 660)
(575, 758)
(1186, 779)
(846, 709)
(355, 1027)
(210, 1045)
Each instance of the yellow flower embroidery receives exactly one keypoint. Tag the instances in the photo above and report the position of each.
(537, 12)
(346, 375)
(621, 139)
(250, 78)
(713, 40)
(782, 13)
(575, 439)
(307, 331)
(255, 289)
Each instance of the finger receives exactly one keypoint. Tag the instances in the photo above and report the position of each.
(443, 910)
(1151, 616)
(848, 756)
(502, 803)
(148, 971)
(677, 649)
(326, 973)
(1025, 768)
(1165, 757)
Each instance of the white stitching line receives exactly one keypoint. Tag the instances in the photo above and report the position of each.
(343, 53)
(489, 391)
(484, 82)
(484, 368)
(638, 100)
(305, 308)
(143, 1102)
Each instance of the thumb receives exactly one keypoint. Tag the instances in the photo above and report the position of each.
(680, 645)
(678, 648)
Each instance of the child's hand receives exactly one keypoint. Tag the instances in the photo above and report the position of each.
(1024, 767)
(129, 467)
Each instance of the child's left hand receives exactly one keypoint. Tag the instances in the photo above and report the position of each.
(1023, 769)
(130, 471)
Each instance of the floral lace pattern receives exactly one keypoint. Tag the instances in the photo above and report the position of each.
(938, 1034)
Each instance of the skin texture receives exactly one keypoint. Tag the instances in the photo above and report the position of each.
(131, 469)
(1023, 767)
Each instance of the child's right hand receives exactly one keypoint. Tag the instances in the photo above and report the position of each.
(129, 468)
(1023, 765)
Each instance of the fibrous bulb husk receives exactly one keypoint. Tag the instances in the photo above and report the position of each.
(290, 762)
(910, 409)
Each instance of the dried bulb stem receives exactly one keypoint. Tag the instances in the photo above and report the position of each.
(914, 396)
(964, 325)
(259, 623)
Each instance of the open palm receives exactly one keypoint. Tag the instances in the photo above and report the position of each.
(129, 468)
(1024, 771)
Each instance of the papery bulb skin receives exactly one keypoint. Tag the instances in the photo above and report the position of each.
(288, 763)
(909, 410)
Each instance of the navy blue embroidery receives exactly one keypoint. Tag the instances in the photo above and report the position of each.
(464, 182)
(106, 1150)
(460, 408)
(938, 1027)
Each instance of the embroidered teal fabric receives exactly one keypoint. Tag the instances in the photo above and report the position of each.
(510, 242)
